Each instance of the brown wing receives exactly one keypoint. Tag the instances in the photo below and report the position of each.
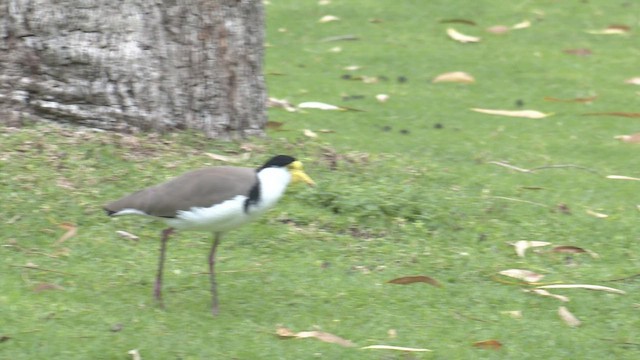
(198, 188)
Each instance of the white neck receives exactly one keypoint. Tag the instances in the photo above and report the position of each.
(273, 183)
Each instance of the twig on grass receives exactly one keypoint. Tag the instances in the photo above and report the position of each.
(625, 278)
(545, 167)
(520, 200)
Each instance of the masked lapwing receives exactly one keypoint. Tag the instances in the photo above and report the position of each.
(216, 199)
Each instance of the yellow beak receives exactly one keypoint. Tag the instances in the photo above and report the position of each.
(298, 175)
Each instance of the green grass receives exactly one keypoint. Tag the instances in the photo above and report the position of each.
(413, 192)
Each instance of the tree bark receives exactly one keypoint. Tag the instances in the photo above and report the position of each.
(136, 64)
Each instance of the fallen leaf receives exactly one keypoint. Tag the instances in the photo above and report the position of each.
(382, 97)
(352, 68)
(521, 25)
(522, 246)
(135, 354)
(309, 133)
(622, 177)
(543, 292)
(396, 348)
(454, 76)
(320, 335)
(328, 18)
(583, 286)
(392, 333)
(530, 114)
(568, 317)
(578, 52)
(633, 80)
(72, 230)
(498, 29)
(280, 103)
(514, 314)
(586, 100)
(526, 275)
(611, 30)
(274, 125)
(317, 105)
(634, 138)
(597, 214)
(455, 35)
(458, 21)
(415, 279)
(324, 2)
(488, 344)
(615, 113)
(46, 286)
(348, 37)
(127, 235)
(568, 249)
(336, 49)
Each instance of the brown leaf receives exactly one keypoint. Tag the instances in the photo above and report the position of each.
(614, 113)
(457, 36)
(72, 230)
(274, 125)
(455, 76)
(488, 344)
(578, 52)
(415, 279)
(458, 21)
(568, 317)
(585, 100)
(568, 249)
(46, 286)
(530, 114)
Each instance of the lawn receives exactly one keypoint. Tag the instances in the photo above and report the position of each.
(416, 185)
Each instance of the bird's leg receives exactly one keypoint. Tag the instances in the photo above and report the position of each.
(157, 291)
(212, 273)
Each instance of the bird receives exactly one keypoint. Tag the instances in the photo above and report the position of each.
(214, 199)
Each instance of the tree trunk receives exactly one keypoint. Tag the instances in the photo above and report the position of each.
(136, 64)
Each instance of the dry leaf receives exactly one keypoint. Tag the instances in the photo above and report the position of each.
(611, 30)
(415, 279)
(521, 25)
(583, 286)
(455, 35)
(231, 159)
(458, 21)
(382, 97)
(568, 249)
(568, 317)
(127, 235)
(488, 344)
(586, 100)
(622, 177)
(46, 286)
(597, 214)
(514, 314)
(328, 18)
(392, 333)
(135, 354)
(455, 76)
(633, 80)
(324, 2)
(498, 29)
(522, 246)
(280, 103)
(615, 113)
(530, 114)
(72, 230)
(543, 292)
(309, 133)
(634, 138)
(320, 335)
(578, 52)
(317, 105)
(397, 348)
(352, 68)
(274, 125)
(526, 275)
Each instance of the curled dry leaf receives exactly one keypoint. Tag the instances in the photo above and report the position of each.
(569, 249)
(633, 80)
(633, 139)
(396, 348)
(317, 105)
(526, 275)
(488, 344)
(274, 125)
(457, 36)
(309, 133)
(328, 18)
(597, 214)
(415, 279)
(583, 286)
(585, 100)
(522, 246)
(568, 317)
(320, 335)
(72, 230)
(543, 292)
(622, 177)
(530, 114)
(127, 235)
(454, 76)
